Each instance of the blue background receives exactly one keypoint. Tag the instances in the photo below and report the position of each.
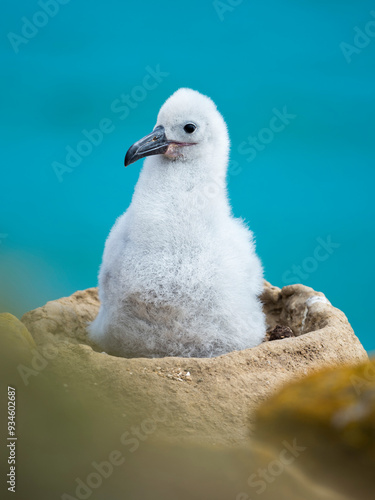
(313, 180)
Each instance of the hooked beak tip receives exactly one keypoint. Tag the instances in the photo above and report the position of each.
(155, 143)
(128, 159)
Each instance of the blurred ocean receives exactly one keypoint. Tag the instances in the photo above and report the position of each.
(306, 189)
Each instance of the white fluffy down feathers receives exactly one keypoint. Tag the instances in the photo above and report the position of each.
(180, 276)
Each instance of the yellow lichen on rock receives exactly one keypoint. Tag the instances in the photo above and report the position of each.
(332, 414)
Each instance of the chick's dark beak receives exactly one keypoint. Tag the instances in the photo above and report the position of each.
(155, 143)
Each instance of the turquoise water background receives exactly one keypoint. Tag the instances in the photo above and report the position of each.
(306, 189)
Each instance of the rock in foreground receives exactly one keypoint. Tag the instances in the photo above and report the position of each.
(331, 418)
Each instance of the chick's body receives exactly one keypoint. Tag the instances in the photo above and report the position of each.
(179, 275)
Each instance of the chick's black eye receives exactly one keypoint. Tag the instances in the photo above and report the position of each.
(190, 128)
